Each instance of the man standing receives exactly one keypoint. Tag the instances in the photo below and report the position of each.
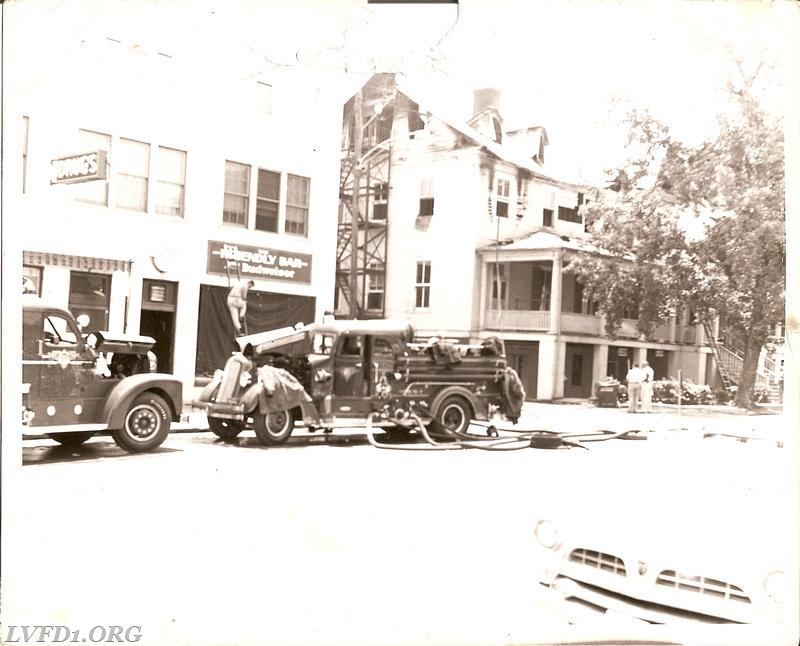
(647, 387)
(237, 304)
(634, 378)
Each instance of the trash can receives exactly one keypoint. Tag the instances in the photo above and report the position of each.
(607, 394)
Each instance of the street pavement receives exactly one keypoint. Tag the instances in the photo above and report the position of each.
(326, 540)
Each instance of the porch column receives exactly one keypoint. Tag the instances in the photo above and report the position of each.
(673, 328)
(483, 298)
(599, 363)
(551, 370)
(639, 355)
(555, 292)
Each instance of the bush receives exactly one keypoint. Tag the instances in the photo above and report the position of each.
(666, 391)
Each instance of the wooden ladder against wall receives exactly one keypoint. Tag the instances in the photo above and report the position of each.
(727, 369)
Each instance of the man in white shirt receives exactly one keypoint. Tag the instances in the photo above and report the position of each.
(634, 378)
(647, 387)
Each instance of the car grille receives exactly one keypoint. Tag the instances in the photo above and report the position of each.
(599, 560)
(702, 585)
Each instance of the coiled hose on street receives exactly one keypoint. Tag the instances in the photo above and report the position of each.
(515, 440)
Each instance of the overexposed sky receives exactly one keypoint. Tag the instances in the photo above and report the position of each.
(558, 63)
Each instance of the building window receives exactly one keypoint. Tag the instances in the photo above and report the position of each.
(547, 217)
(498, 278)
(264, 97)
(380, 204)
(132, 159)
(31, 280)
(25, 126)
(375, 287)
(93, 192)
(297, 204)
(502, 197)
(567, 214)
(423, 285)
(89, 294)
(426, 197)
(237, 192)
(267, 200)
(171, 185)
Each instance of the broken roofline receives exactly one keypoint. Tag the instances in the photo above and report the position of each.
(494, 149)
(575, 246)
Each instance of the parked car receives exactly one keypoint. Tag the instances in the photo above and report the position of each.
(680, 530)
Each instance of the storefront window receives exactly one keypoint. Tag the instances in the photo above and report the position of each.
(89, 294)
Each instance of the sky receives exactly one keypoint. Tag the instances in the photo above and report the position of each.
(571, 66)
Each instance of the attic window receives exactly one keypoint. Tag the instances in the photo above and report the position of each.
(498, 131)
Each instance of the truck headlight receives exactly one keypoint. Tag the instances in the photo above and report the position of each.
(547, 534)
(775, 586)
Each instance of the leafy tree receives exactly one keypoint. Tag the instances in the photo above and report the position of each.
(695, 225)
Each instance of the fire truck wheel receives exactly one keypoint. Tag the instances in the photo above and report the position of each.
(454, 414)
(70, 439)
(227, 429)
(274, 428)
(146, 424)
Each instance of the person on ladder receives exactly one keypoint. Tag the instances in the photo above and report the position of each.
(237, 305)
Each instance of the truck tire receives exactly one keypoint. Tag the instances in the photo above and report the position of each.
(146, 424)
(454, 413)
(71, 439)
(274, 428)
(227, 429)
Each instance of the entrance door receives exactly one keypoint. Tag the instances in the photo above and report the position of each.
(578, 362)
(523, 356)
(159, 298)
(160, 326)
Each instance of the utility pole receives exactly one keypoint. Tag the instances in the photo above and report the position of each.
(357, 145)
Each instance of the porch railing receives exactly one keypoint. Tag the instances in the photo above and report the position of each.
(526, 320)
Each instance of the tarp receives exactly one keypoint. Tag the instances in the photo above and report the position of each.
(265, 311)
(275, 390)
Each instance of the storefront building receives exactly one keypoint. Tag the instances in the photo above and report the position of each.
(143, 197)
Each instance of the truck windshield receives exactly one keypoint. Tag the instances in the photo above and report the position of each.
(322, 343)
(57, 328)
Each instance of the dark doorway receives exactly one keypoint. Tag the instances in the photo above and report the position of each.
(620, 360)
(523, 356)
(578, 363)
(659, 362)
(159, 300)
(161, 326)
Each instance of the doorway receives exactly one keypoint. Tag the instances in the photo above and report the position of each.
(578, 368)
(158, 319)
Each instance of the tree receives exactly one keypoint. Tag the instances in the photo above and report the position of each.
(695, 225)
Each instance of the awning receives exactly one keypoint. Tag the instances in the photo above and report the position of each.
(84, 263)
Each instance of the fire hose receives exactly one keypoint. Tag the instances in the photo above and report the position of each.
(516, 440)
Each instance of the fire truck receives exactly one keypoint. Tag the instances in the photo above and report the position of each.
(343, 374)
(77, 384)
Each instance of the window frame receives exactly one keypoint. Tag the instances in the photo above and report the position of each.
(160, 182)
(304, 208)
(245, 196)
(427, 197)
(422, 285)
(268, 200)
(502, 197)
(122, 177)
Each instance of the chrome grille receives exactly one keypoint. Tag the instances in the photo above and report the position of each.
(599, 560)
(702, 585)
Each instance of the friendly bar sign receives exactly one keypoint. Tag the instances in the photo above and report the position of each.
(257, 262)
(85, 167)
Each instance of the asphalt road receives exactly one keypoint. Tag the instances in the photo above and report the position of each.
(325, 540)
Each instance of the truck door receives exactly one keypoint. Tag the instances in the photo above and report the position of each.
(348, 378)
(382, 356)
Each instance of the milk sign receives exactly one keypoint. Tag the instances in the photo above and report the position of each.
(233, 259)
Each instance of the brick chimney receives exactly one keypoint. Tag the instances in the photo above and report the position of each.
(486, 98)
